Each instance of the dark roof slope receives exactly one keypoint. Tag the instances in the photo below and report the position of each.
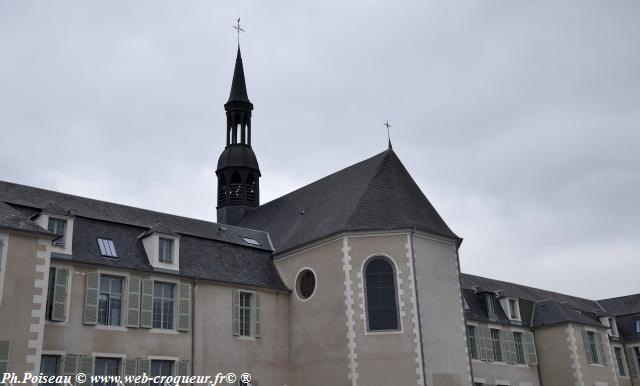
(551, 311)
(375, 194)
(27, 196)
(622, 305)
(13, 219)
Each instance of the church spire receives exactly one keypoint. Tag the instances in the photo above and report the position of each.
(238, 171)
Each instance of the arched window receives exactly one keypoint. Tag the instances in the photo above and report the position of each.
(222, 190)
(382, 303)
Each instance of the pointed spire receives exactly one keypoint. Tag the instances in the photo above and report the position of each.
(238, 86)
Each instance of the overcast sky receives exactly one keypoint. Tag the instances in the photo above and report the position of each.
(520, 120)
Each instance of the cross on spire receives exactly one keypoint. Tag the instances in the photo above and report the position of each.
(238, 30)
(388, 126)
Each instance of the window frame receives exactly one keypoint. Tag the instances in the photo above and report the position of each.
(592, 343)
(620, 361)
(58, 372)
(123, 293)
(61, 241)
(472, 341)
(162, 250)
(173, 299)
(396, 295)
(520, 348)
(172, 364)
(299, 280)
(496, 344)
(107, 247)
(119, 363)
(250, 309)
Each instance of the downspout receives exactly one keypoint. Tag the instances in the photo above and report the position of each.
(415, 285)
(193, 325)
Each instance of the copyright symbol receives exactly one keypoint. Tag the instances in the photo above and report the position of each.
(231, 378)
(81, 378)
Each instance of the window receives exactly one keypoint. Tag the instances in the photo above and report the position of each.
(592, 347)
(471, 341)
(163, 305)
(160, 368)
(490, 300)
(637, 326)
(637, 352)
(495, 344)
(517, 337)
(165, 253)
(50, 289)
(110, 301)
(619, 361)
(305, 284)
(513, 309)
(107, 249)
(57, 226)
(251, 241)
(50, 366)
(382, 308)
(245, 313)
(107, 367)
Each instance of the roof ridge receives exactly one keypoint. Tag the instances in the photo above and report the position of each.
(113, 203)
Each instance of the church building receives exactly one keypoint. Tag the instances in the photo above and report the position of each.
(352, 280)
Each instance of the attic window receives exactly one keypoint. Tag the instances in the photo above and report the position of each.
(107, 249)
(637, 326)
(251, 241)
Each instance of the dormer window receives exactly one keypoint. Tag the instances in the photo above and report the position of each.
(514, 309)
(613, 327)
(637, 326)
(490, 300)
(165, 250)
(57, 226)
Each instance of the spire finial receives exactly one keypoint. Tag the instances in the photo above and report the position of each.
(238, 30)
(388, 126)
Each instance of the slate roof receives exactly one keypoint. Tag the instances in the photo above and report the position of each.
(13, 219)
(540, 308)
(238, 86)
(375, 194)
(207, 250)
(34, 198)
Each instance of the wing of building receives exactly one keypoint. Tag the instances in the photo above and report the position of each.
(351, 280)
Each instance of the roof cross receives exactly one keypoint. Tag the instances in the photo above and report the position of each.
(238, 30)
(388, 126)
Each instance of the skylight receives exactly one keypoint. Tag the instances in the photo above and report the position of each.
(107, 249)
(251, 241)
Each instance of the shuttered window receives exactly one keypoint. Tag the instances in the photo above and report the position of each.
(519, 344)
(110, 301)
(133, 302)
(247, 314)
(184, 306)
(57, 226)
(471, 340)
(381, 299)
(56, 308)
(91, 289)
(620, 361)
(163, 305)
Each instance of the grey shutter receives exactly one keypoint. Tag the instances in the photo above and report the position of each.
(184, 306)
(602, 358)
(236, 312)
(530, 347)
(59, 306)
(146, 311)
(182, 369)
(4, 356)
(133, 301)
(86, 367)
(144, 367)
(632, 362)
(504, 346)
(510, 347)
(488, 344)
(130, 370)
(91, 298)
(258, 316)
(587, 350)
(70, 367)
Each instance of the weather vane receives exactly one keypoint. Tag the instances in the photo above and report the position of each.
(238, 30)
(388, 126)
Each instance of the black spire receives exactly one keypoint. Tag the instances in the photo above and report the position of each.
(238, 86)
(238, 171)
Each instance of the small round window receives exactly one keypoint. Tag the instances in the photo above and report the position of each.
(305, 284)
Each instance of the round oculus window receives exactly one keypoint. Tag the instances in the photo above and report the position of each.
(305, 284)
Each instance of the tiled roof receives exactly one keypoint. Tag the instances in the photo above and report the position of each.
(375, 194)
(13, 219)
